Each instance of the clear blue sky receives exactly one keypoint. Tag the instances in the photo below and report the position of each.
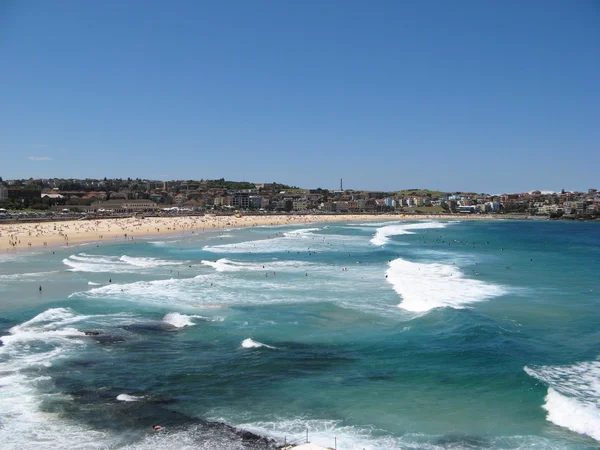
(476, 95)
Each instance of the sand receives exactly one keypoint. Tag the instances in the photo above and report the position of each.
(23, 236)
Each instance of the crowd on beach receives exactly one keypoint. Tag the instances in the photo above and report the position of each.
(44, 234)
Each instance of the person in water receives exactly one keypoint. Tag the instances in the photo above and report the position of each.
(40, 288)
(157, 427)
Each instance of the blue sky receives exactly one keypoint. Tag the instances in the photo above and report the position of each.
(488, 96)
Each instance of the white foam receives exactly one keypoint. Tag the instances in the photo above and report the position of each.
(146, 262)
(83, 262)
(427, 286)
(24, 423)
(246, 285)
(383, 234)
(301, 240)
(178, 320)
(228, 265)
(302, 232)
(31, 275)
(251, 343)
(128, 398)
(52, 315)
(325, 433)
(91, 283)
(573, 399)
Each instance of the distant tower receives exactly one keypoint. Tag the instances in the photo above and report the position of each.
(341, 184)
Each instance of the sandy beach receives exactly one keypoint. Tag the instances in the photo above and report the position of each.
(22, 236)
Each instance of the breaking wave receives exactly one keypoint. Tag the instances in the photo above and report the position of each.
(427, 286)
(227, 265)
(383, 234)
(28, 348)
(182, 320)
(83, 262)
(250, 343)
(573, 398)
(128, 398)
(31, 275)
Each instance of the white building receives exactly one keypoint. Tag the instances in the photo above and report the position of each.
(389, 202)
(3, 192)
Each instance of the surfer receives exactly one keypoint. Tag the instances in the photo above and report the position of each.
(40, 289)
(157, 428)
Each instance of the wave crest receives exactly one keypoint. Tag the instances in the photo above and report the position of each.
(573, 396)
(83, 262)
(251, 343)
(427, 286)
(383, 234)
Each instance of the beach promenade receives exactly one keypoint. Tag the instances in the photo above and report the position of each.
(23, 236)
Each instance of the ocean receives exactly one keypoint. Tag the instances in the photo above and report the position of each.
(391, 335)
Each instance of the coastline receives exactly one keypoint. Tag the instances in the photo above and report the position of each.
(51, 234)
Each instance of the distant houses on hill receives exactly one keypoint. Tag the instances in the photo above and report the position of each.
(124, 196)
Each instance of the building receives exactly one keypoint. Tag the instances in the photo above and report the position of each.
(327, 207)
(300, 204)
(19, 194)
(467, 209)
(179, 199)
(125, 206)
(389, 202)
(255, 202)
(3, 192)
(240, 200)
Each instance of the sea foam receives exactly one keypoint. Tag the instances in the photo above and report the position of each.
(31, 275)
(128, 398)
(24, 422)
(183, 320)
(294, 240)
(228, 265)
(383, 234)
(83, 262)
(573, 396)
(427, 286)
(251, 343)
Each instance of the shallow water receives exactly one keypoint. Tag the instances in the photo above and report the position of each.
(391, 335)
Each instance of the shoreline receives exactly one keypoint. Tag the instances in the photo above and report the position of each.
(16, 237)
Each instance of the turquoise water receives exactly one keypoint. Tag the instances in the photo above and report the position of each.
(427, 335)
